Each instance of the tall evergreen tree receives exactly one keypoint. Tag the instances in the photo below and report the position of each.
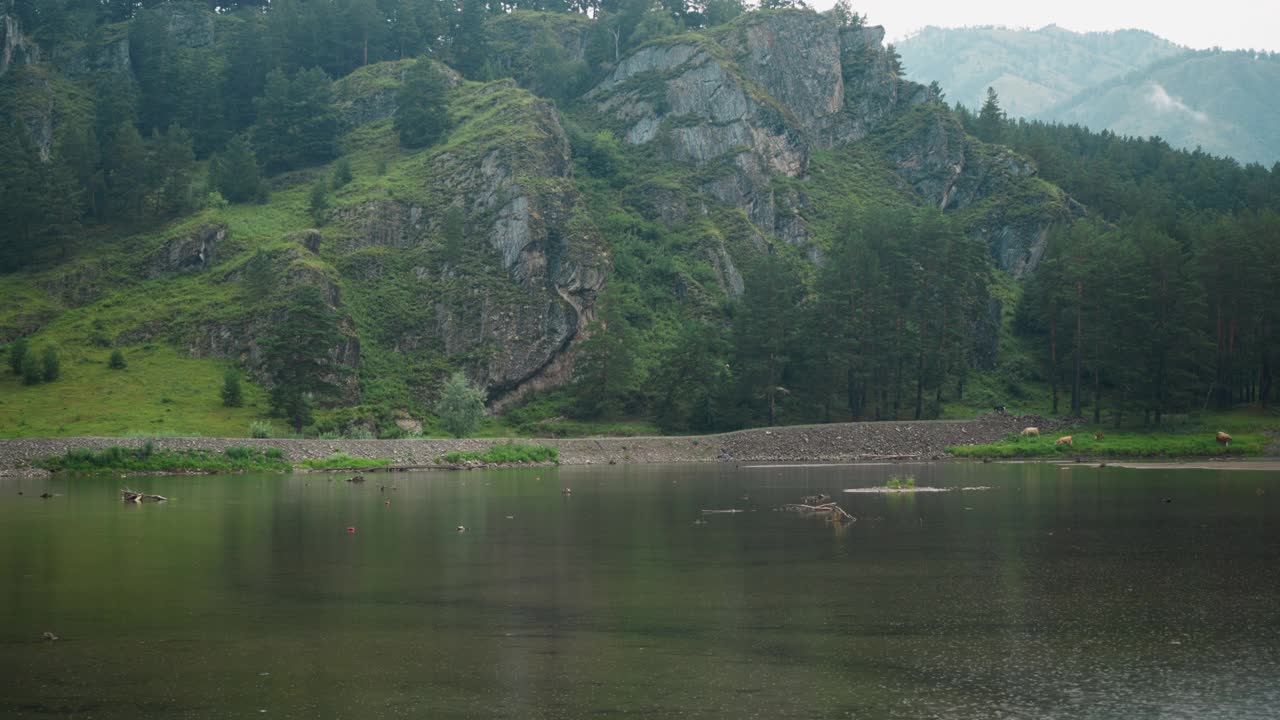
(422, 106)
(991, 119)
(234, 173)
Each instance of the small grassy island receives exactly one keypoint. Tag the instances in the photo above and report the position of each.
(505, 454)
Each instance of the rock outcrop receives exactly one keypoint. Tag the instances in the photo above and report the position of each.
(520, 290)
(751, 104)
(16, 49)
(189, 252)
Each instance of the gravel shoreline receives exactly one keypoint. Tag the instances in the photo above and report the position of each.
(903, 440)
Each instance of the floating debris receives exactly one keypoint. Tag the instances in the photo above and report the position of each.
(915, 489)
(133, 496)
(831, 510)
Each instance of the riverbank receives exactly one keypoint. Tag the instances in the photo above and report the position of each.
(840, 442)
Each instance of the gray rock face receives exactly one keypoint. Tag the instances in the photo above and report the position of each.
(109, 57)
(192, 252)
(16, 49)
(242, 338)
(515, 326)
(770, 89)
(189, 26)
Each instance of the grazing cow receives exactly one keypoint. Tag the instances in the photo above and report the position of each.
(1064, 440)
(1000, 409)
(1098, 436)
(1031, 432)
(1224, 438)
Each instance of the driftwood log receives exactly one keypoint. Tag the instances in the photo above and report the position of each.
(132, 496)
(836, 512)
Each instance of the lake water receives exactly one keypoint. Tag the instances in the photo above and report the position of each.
(1077, 593)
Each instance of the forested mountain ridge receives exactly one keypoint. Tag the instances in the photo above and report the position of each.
(1129, 82)
(1223, 102)
(1031, 70)
(703, 223)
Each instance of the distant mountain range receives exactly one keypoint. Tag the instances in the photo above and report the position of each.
(1130, 82)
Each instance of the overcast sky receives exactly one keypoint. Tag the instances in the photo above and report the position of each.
(1231, 24)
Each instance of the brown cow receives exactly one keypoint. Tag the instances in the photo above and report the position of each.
(1031, 432)
(1098, 436)
(1224, 438)
(1064, 440)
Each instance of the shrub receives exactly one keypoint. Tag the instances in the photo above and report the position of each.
(319, 199)
(231, 393)
(258, 429)
(51, 363)
(32, 374)
(117, 361)
(341, 173)
(359, 432)
(461, 406)
(18, 351)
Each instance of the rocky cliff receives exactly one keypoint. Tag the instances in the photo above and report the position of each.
(16, 49)
(753, 100)
(510, 299)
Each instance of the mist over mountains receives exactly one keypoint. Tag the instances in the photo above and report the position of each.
(1130, 82)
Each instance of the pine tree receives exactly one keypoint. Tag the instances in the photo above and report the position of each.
(129, 178)
(296, 125)
(605, 372)
(991, 119)
(422, 110)
(470, 51)
(234, 173)
(765, 331)
(298, 355)
(174, 162)
(117, 361)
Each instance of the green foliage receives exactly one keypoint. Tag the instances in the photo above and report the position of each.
(341, 173)
(298, 355)
(234, 172)
(117, 361)
(260, 429)
(343, 460)
(32, 373)
(508, 453)
(18, 351)
(991, 119)
(318, 200)
(296, 124)
(901, 482)
(461, 406)
(605, 374)
(50, 364)
(232, 394)
(117, 459)
(422, 109)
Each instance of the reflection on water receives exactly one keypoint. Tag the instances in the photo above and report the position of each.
(1077, 593)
